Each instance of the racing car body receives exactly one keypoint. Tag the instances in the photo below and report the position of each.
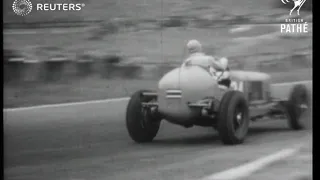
(191, 86)
(191, 95)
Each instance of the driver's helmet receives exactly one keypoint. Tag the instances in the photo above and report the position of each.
(224, 63)
(194, 46)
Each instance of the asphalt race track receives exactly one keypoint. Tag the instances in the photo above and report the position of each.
(90, 142)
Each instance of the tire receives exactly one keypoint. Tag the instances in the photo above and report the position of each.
(231, 131)
(298, 96)
(138, 124)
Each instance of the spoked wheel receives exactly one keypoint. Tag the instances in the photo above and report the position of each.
(141, 124)
(298, 104)
(233, 118)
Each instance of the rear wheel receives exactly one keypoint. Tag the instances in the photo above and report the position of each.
(298, 103)
(233, 118)
(140, 125)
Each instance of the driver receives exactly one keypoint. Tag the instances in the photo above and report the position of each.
(218, 68)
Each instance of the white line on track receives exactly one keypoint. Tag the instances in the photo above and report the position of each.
(249, 168)
(110, 100)
(46, 31)
(241, 28)
(67, 104)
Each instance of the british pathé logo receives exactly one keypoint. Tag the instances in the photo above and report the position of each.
(294, 25)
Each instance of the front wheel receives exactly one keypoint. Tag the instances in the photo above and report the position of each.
(140, 126)
(233, 118)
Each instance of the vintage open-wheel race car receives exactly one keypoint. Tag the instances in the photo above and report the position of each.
(191, 96)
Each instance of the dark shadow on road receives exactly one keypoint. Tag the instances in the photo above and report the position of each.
(188, 140)
(211, 138)
(262, 130)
